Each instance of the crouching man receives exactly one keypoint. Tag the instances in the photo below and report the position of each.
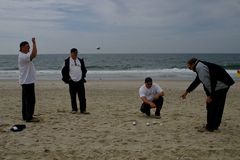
(151, 95)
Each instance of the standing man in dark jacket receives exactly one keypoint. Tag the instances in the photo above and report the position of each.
(216, 82)
(74, 73)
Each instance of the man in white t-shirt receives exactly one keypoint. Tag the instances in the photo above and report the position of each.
(27, 79)
(151, 95)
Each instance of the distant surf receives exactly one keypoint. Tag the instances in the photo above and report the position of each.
(122, 66)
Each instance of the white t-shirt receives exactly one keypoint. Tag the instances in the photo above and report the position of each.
(75, 70)
(149, 93)
(27, 73)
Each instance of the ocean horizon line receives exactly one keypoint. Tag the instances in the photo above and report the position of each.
(141, 53)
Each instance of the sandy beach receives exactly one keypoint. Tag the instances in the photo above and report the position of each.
(108, 132)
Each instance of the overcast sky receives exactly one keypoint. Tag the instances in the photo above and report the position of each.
(121, 26)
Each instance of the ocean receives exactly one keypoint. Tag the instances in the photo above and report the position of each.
(122, 66)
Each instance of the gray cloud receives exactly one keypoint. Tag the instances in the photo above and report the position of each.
(122, 25)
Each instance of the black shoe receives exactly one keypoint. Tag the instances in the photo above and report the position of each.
(210, 129)
(148, 112)
(33, 120)
(215, 128)
(85, 112)
(142, 109)
(157, 116)
(204, 129)
(145, 110)
(73, 112)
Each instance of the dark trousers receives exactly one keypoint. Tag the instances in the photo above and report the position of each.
(145, 108)
(77, 88)
(215, 109)
(28, 101)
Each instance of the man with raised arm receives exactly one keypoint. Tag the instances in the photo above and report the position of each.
(27, 79)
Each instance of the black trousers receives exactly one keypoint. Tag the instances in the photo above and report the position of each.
(145, 108)
(77, 88)
(215, 109)
(28, 101)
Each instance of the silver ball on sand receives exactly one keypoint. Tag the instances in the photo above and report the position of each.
(148, 124)
(134, 123)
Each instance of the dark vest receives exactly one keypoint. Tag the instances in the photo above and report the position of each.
(217, 73)
(65, 71)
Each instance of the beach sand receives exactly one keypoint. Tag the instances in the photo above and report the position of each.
(108, 132)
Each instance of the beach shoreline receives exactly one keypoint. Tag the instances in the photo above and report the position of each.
(108, 132)
(123, 75)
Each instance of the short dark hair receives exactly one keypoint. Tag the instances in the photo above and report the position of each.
(22, 44)
(148, 80)
(192, 61)
(74, 50)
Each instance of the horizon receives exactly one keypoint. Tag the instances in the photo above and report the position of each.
(115, 53)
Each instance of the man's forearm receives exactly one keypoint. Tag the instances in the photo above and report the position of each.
(34, 49)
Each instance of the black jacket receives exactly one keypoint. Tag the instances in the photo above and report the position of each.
(65, 71)
(216, 73)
